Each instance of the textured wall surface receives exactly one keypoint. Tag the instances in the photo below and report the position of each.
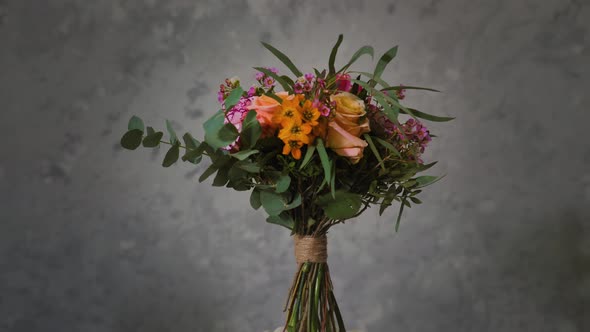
(94, 238)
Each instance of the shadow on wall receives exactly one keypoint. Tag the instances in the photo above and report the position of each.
(543, 274)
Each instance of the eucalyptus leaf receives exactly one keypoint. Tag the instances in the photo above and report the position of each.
(131, 140)
(272, 202)
(190, 142)
(171, 156)
(283, 219)
(255, 199)
(152, 140)
(345, 204)
(242, 155)
(233, 98)
(171, 132)
(251, 130)
(283, 183)
(135, 123)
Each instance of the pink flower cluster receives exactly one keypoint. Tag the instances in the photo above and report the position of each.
(414, 131)
(266, 81)
(304, 83)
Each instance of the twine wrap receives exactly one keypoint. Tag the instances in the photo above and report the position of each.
(311, 249)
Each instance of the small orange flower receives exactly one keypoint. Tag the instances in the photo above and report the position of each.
(293, 147)
(310, 114)
(295, 131)
(290, 111)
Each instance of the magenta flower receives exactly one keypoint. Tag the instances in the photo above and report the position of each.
(343, 82)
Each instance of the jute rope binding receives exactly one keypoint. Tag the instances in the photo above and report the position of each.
(311, 249)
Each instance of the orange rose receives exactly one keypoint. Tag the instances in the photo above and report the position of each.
(347, 125)
(265, 108)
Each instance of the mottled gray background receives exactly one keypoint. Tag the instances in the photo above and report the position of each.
(94, 238)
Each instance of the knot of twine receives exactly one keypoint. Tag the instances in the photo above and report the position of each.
(311, 249)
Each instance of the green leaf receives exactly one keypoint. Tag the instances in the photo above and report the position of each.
(272, 202)
(374, 149)
(221, 177)
(372, 77)
(399, 215)
(255, 199)
(361, 51)
(273, 96)
(228, 133)
(152, 140)
(415, 200)
(408, 87)
(429, 117)
(242, 155)
(283, 219)
(132, 139)
(324, 158)
(427, 180)
(284, 59)
(248, 166)
(384, 61)
(150, 131)
(308, 155)
(171, 156)
(251, 130)
(135, 123)
(389, 111)
(233, 98)
(276, 77)
(332, 70)
(283, 183)
(189, 142)
(173, 138)
(208, 172)
(217, 133)
(294, 203)
(388, 146)
(345, 204)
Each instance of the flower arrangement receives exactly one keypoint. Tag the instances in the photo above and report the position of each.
(314, 150)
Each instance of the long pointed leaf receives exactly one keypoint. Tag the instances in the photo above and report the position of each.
(276, 77)
(430, 117)
(408, 87)
(324, 159)
(388, 146)
(361, 51)
(374, 149)
(384, 61)
(284, 59)
(308, 155)
(332, 70)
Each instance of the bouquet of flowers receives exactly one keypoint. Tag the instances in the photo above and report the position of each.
(314, 150)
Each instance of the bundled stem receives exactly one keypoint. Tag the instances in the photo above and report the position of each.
(311, 304)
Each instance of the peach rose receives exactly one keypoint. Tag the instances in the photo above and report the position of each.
(347, 125)
(265, 108)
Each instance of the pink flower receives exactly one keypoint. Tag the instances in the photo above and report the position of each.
(343, 82)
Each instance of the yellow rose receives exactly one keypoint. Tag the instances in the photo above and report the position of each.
(347, 125)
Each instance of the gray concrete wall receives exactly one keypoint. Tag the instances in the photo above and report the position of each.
(93, 238)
